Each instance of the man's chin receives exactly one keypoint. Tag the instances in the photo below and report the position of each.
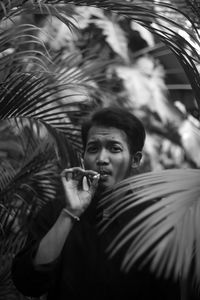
(102, 187)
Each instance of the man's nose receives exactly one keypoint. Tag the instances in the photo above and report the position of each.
(102, 158)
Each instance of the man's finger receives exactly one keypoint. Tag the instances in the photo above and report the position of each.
(85, 184)
(66, 174)
(77, 173)
(94, 183)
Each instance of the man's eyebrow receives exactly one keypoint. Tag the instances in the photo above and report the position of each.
(93, 142)
(115, 142)
(111, 141)
(97, 141)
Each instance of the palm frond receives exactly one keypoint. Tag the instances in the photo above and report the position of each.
(55, 98)
(165, 20)
(164, 232)
(25, 189)
(29, 178)
(62, 12)
(159, 18)
(7, 172)
(22, 49)
(11, 241)
(44, 151)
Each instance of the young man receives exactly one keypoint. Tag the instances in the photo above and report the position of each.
(64, 256)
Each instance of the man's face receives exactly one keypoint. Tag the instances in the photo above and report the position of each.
(107, 152)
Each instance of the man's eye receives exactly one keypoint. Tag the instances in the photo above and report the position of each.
(116, 149)
(91, 149)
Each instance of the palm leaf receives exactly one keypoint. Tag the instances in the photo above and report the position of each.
(7, 172)
(63, 12)
(21, 48)
(165, 232)
(55, 99)
(37, 172)
(29, 177)
(168, 30)
(24, 190)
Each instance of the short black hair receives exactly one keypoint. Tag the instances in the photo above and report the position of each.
(119, 118)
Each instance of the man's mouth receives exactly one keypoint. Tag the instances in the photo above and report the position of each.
(104, 174)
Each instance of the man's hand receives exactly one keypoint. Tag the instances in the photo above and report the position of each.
(79, 187)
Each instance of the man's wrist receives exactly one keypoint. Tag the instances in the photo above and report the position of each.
(73, 216)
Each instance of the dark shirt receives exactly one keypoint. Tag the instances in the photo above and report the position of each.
(83, 270)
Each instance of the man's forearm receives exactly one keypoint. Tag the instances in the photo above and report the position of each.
(52, 243)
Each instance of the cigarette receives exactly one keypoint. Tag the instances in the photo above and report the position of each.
(96, 176)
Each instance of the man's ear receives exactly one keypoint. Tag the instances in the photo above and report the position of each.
(136, 159)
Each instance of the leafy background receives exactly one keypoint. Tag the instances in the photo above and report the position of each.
(61, 59)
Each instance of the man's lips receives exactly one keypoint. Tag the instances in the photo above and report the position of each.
(104, 174)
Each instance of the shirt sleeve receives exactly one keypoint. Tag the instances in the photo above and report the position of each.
(29, 279)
